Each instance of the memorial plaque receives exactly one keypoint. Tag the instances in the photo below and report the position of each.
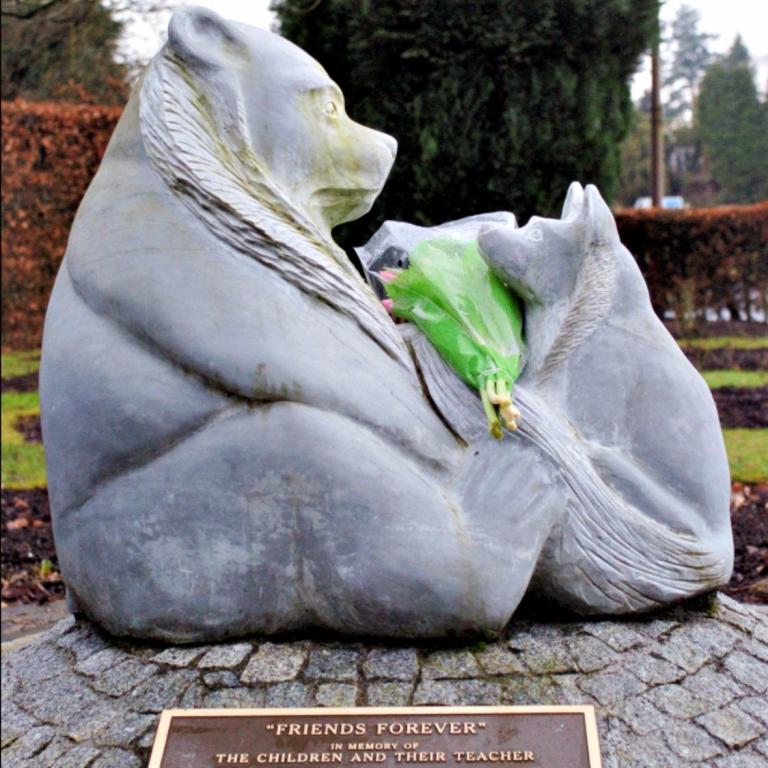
(541, 736)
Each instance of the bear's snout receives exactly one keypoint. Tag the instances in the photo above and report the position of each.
(390, 142)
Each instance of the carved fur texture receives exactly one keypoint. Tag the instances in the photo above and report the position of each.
(224, 182)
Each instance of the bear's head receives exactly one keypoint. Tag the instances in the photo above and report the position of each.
(544, 260)
(283, 115)
(564, 269)
(249, 133)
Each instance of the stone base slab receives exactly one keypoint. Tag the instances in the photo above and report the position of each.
(684, 688)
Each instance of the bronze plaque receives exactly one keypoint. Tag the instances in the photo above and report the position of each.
(540, 736)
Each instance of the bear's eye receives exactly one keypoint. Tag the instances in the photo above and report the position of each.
(331, 109)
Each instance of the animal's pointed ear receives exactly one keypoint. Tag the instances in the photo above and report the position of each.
(598, 216)
(573, 201)
(202, 39)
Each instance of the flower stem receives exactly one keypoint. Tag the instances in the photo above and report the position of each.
(494, 425)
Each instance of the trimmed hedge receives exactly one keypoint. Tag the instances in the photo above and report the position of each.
(694, 259)
(50, 154)
(702, 258)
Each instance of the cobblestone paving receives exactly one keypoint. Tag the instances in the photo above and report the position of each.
(687, 688)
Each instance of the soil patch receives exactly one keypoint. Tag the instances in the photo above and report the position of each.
(719, 328)
(727, 358)
(30, 428)
(26, 383)
(741, 407)
(749, 515)
(27, 540)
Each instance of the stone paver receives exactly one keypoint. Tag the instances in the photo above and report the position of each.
(457, 693)
(118, 680)
(116, 758)
(443, 665)
(590, 653)
(683, 688)
(221, 679)
(227, 698)
(714, 687)
(289, 695)
(761, 745)
(740, 761)
(732, 726)
(389, 694)
(755, 706)
(125, 729)
(162, 691)
(677, 701)
(620, 636)
(692, 743)
(225, 656)
(611, 687)
(544, 652)
(336, 695)
(333, 664)
(640, 715)
(497, 659)
(392, 664)
(746, 669)
(179, 657)
(652, 670)
(275, 663)
(520, 690)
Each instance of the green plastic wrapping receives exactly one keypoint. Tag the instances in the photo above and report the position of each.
(468, 315)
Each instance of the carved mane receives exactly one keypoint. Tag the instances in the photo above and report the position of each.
(589, 305)
(225, 184)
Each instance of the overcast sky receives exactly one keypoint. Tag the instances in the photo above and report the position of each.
(724, 18)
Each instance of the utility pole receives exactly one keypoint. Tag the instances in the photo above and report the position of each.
(657, 133)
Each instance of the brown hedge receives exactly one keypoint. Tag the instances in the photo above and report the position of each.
(694, 259)
(50, 153)
(702, 258)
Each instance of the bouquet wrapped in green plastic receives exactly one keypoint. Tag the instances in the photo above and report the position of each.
(468, 315)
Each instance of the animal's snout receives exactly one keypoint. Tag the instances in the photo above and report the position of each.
(384, 154)
(390, 143)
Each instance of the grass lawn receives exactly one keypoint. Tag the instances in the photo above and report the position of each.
(20, 363)
(747, 454)
(747, 379)
(23, 464)
(734, 342)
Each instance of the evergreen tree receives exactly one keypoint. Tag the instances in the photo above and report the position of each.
(732, 126)
(690, 58)
(496, 104)
(738, 56)
(61, 49)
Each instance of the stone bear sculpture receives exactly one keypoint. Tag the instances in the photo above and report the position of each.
(239, 440)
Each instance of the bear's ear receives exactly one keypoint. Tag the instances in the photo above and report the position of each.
(573, 201)
(202, 39)
(598, 217)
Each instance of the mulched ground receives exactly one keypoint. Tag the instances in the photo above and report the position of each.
(719, 328)
(30, 428)
(749, 515)
(27, 383)
(27, 540)
(740, 407)
(728, 359)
